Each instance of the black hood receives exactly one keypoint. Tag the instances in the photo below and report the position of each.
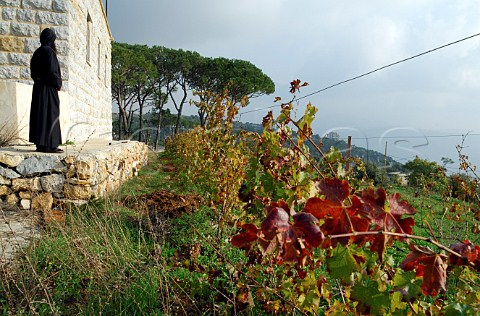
(47, 37)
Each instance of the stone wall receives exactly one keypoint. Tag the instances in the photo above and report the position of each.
(39, 181)
(89, 70)
(84, 52)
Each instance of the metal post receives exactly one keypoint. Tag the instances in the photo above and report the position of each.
(349, 150)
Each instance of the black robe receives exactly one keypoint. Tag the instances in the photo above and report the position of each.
(45, 108)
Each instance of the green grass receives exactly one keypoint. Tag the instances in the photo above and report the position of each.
(451, 220)
(104, 260)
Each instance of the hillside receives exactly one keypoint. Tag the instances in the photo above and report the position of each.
(367, 155)
(187, 122)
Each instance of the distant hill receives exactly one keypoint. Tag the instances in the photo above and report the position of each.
(333, 140)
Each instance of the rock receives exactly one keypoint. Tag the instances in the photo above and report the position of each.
(8, 173)
(85, 168)
(69, 160)
(77, 192)
(25, 204)
(53, 183)
(42, 164)
(28, 184)
(4, 190)
(25, 195)
(10, 160)
(54, 216)
(75, 181)
(5, 181)
(12, 199)
(42, 201)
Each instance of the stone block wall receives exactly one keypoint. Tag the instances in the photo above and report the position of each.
(21, 22)
(38, 181)
(89, 61)
(84, 52)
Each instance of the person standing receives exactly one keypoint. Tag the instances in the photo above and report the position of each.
(45, 71)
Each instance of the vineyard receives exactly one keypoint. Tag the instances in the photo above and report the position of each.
(243, 223)
(318, 239)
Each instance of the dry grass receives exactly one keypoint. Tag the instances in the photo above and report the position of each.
(9, 134)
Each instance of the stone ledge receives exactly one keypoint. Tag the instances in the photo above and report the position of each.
(84, 171)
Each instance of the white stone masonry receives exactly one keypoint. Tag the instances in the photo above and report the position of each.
(84, 51)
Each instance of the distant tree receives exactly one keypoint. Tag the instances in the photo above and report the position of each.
(123, 72)
(241, 79)
(427, 175)
(377, 174)
(144, 82)
(446, 161)
(174, 67)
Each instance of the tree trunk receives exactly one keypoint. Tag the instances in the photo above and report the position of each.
(140, 123)
(159, 128)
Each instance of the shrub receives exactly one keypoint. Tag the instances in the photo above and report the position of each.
(427, 175)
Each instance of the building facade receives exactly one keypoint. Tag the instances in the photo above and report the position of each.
(84, 52)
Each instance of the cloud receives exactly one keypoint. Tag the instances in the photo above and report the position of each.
(325, 42)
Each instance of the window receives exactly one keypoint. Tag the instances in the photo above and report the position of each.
(99, 60)
(89, 38)
(105, 71)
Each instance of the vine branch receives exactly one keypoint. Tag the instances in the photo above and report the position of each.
(402, 235)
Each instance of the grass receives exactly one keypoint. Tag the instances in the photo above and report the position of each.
(446, 219)
(9, 133)
(107, 260)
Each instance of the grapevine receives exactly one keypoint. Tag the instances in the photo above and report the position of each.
(315, 207)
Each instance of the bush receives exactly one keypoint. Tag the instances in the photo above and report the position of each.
(427, 175)
(463, 187)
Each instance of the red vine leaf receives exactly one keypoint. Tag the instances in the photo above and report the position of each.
(245, 239)
(469, 252)
(277, 235)
(373, 201)
(398, 207)
(306, 226)
(337, 219)
(430, 265)
(322, 209)
(335, 190)
(276, 221)
(389, 220)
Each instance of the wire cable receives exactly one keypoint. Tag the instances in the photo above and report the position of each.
(370, 72)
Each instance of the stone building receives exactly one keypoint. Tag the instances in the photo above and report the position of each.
(84, 51)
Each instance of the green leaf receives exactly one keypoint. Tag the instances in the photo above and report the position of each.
(397, 304)
(403, 278)
(378, 302)
(341, 264)
(407, 284)
(458, 309)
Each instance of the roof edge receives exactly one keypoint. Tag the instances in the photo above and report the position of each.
(106, 19)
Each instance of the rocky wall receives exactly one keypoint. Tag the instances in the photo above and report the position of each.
(40, 181)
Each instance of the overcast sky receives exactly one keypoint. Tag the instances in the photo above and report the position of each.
(325, 42)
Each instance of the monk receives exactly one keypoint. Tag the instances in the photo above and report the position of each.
(45, 107)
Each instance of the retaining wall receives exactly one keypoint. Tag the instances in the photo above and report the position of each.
(33, 180)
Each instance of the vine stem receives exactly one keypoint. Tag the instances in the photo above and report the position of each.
(309, 139)
(305, 155)
(314, 145)
(403, 235)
